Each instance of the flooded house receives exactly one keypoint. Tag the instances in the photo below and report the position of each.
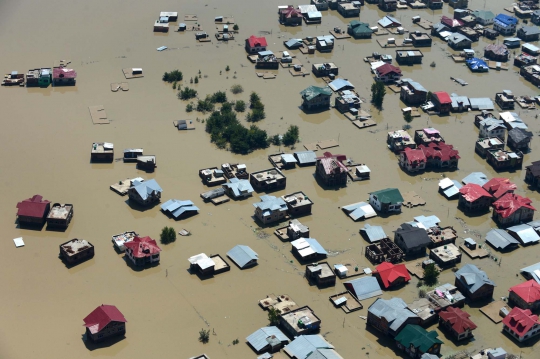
(388, 73)
(530, 49)
(452, 24)
(300, 321)
(535, 17)
(268, 180)
(457, 322)
(39, 77)
(498, 187)
(131, 154)
(364, 287)
(474, 199)
(325, 69)
(316, 98)
(388, 5)
(347, 101)
(321, 5)
(320, 274)
(505, 24)
(359, 211)
(532, 174)
(308, 249)
(243, 256)
(519, 139)
(389, 22)
(147, 163)
(311, 345)
(13, 78)
(255, 44)
(145, 193)
(207, 266)
(390, 316)
(434, 4)
(177, 209)
(119, 240)
(104, 322)
(446, 256)
(483, 17)
(441, 102)
(524, 233)
(359, 30)
(142, 251)
(496, 52)
(416, 341)
(471, 34)
(306, 158)
(238, 188)
(440, 155)
(60, 215)
(102, 152)
(298, 203)
(234, 170)
(33, 211)
(521, 324)
(525, 295)
(290, 16)
(267, 340)
(212, 176)
(502, 160)
(348, 9)
(283, 160)
(391, 275)
(62, 76)
(512, 120)
(528, 33)
(412, 160)
(474, 283)
(293, 231)
(76, 251)
(459, 41)
(387, 200)
(512, 209)
(449, 188)
(483, 145)
(399, 140)
(373, 234)
(505, 100)
(412, 93)
(492, 127)
(324, 43)
(266, 60)
(330, 169)
(427, 135)
(412, 240)
(161, 25)
(270, 209)
(420, 39)
(501, 240)
(384, 251)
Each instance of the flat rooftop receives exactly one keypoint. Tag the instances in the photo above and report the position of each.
(75, 246)
(297, 199)
(60, 211)
(305, 314)
(267, 175)
(446, 253)
(420, 36)
(219, 262)
(102, 147)
(325, 269)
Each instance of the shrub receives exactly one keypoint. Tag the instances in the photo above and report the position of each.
(236, 27)
(189, 107)
(204, 336)
(227, 68)
(236, 89)
(291, 136)
(196, 80)
(168, 235)
(240, 106)
(275, 140)
(187, 93)
(172, 76)
(273, 316)
(407, 116)
(219, 97)
(254, 98)
(377, 94)
(431, 274)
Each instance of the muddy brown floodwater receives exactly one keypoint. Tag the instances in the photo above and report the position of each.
(45, 144)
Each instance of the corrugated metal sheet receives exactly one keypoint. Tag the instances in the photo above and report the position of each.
(428, 222)
(364, 288)
(177, 207)
(373, 233)
(360, 210)
(306, 157)
(258, 339)
(144, 189)
(242, 255)
(304, 345)
(531, 272)
(481, 103)
(339, 84)
(525, 233)
(316, 246)
(499, 239)
(473, 278)
(240, 188)
(476, 177)
(393, 310)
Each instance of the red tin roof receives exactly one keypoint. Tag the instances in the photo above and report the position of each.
(499, 186)
(528, 291)
(388, 68)
(291, 12)
(389, 273)
(33, 207)
(443, 97)
(255, 41)
(101, 316)
(451, 22)
(415, 155)
(441, 150)
(333, 163)
(511, 202)
(471, 192)
(520, 321)
(143, 247)
(458, 318)
(62, 72)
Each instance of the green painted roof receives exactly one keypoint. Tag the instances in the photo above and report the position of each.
(359, 27)
(389, 195)
(418, 337)
(313, 91)
(483, 14)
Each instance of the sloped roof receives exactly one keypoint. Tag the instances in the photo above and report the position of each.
(389, 273)
(238, 186)
(386, 69)
(499, 186)
(520, 321)
(271, 203)
(302, 346)
(475, 177)
(101, 316)
(440, 150)
(62, 72)
(443, 97)
(364, 288)
(483, 14)
(394, 310)
(373, 233)
(476, 64)
(456, 38)
(528, 291)
(143, 247)
(389, 21)
(388, 195)
(472, 192)
(497, 49)
(500, 239)
(33, 207)
(525, 233)
(333, 163)
(506, 20)
(313, 91)
(511, 202)
(242, 255)
(458, 319)
(178, 207)
(519, 134)
(306, 157)
(258, 339)
(360, 210)
(359, 27)
(146, 188)
(529, 30)
(451, 22)
(413, 236)
(339, 84)
(414, 155)
(472, 277)
(418, 337)
(255, 41)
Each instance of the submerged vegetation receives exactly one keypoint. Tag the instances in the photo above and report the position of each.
(174, 75)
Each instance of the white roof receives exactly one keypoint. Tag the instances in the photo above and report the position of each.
(18, 242)
(445, 183)
(197, 258)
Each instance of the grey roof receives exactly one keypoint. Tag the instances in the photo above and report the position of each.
(364, 288)
(292, 43)
(452, 190)
(258, 340)
(534, 224)
(325, 354)
(428, 222)
(413, 236)
(213, 193)
(393, 310)
(338, 84)
(525, 233)
(483, 14)
(269, 204)
(417, 86)
(532, 271)
(177, 207)
(242, 255)
(476, 177)
(456, 38)
(472, 277)
(492, 123)
(239, 187)
(428, 356)
(481, 103)
(496, 352)
(519, 134)
(530, 30)
(302, 346)
(316, 246)
(388, 20)
(373, 233)
(144, 189)
(360, 210)
(265, 356)
(456, 100)
(440, 27)
(306, 157)
(500, 239)
(288, 158)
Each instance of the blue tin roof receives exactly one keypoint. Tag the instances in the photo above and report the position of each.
(242, 255)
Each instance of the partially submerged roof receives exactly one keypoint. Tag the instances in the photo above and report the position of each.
(394, 310)
(313, 91)
(243, 255)
(306, 157)
(33, 207)
(525, 233)
(373, 233)
(102, 316)
(528, 291)
(532, 271)
(360, 210)
(472, 277)
(308, 246)
(500, 239)
(388, 195)
(303, 346)
(476, 177)
(146, 188)
(339, 84)
(413, 236)
(239, 186)
(177, 207)
(260, 338)
(364, 288)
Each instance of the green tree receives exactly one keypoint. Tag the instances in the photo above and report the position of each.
(174, 85)
(226, 107)
(168, 235)
(431, 274)
(254, 98)
(236, 89)
(172, 76)
(428, 96)
(275, 140)
(291, 136)
(227, 68)
(187, 93)
(273, 316)
(236, 27)
(204, 336)
(240, 106)
(407, 116)
(205, 105)
(377, 94)
(219, 97)
(189, 107)
(196, 80)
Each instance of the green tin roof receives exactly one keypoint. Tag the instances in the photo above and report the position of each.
(359, 27)
(389, 195)
(313, 91)
(418, 337)
(483, 14)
